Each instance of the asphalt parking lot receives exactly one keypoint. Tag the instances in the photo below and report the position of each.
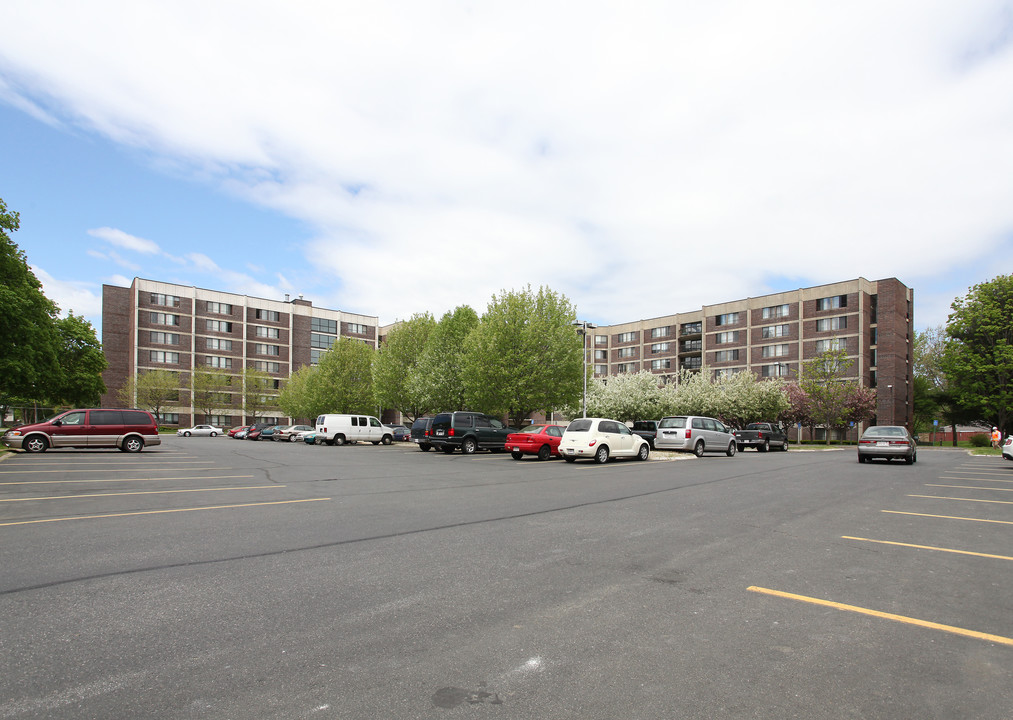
(215, 578)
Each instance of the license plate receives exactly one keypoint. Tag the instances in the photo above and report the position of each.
(439, 432)
(882, 444)
(569, 451)
(517, 449)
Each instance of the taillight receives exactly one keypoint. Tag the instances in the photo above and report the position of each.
(759, 436)
(450, 432)
(899, 442)
(689, 433)
(591, 444)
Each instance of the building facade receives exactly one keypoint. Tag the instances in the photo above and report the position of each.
(772, 335)
(162, 326)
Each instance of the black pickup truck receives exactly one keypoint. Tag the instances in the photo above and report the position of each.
(762, 436)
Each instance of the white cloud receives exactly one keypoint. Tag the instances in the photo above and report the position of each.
(71, 296)
(643, 159)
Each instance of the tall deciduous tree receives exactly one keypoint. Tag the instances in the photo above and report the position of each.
(439, 376)
(153, 390)
(81, 363)
(29, 343)
(524, 355)
(258, 392)
(830, 394)
(978, 361)
(212, 390)
(301, 397)
(395, 367)
(345, 377)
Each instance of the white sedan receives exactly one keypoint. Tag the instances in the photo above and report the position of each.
(200, 431)
(600, 439)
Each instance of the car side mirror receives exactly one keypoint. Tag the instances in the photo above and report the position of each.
(58, 422)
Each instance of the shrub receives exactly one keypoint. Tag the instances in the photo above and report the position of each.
(980, 440)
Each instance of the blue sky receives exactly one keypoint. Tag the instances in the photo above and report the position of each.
(390, 158)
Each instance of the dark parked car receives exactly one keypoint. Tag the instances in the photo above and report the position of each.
(469, 431)
(763, 436)
(257, 430)
(647, 429)
(420, 432)
(401, 432)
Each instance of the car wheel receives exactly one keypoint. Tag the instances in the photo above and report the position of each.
(544, 452)
(569, 459)
(293, 438)
(784, 445)
(862, 458)
(914, 458)
(644, 452)
(186, 434)
(425, 448)
(387, 440)
(36, 444)
(739, 447)
(448, 449)
(469, 446)
(339, 440)
(516, 455)
(214, 434)
(601, 456)
(765, 447)
(910, 460)
(730, 452)
(698, 448)
(133, 444)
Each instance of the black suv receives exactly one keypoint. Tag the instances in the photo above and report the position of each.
(420, 432)
(647, 429)
(469, 431)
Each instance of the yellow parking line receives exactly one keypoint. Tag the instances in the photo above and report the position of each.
(28, 472)
(140, 492)
(979, 472)
(971, 487)
(982, 479)
(948, 517)
(116, 480)
(929, 547)
(887, 616)
(159, 512)
(940, 497)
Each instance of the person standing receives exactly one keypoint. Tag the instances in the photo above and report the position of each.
(996, 438)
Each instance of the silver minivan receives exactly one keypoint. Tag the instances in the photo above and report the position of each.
(694, 433)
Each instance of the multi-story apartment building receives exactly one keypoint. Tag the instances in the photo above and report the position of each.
(161, 326)
(771, 335)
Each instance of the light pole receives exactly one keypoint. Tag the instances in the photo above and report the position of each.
(582, 327)
(890, 388)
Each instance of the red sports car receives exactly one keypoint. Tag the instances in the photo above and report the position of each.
(540, 440)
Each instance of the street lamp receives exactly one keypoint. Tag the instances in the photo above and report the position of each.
(582, 327)
(890, 388)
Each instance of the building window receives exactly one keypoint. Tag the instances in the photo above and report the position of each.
(164, 319)
(219, 308)
(832, 303)
(271, 367)
(261, 349)
(268, 315)
(323, 325)
(873, 357)
(626, 337)
(872, 378)
(162, 338)
(218, 344)
(626, 367)
(775, 331)
(665, 364)
(769, 351)
(691, 328)
(356, 328)
(161, 356)
(221, 420)
(726, 355)
(601, 339)
(726, 372)
(627, 352)
(601, 354)
(315, 355)
(661, 331)
(726, 337)
(266, 332)
(601, 369)
(775, 311)
(778, 370)
(874, 336)
(693, 363)
(323, 342)
(216, 361)
(166, 300)
(167, 418)
(831, 345)
(221, 326)
(659, 347)
(727, 319)
(691, 345)
(834, 323)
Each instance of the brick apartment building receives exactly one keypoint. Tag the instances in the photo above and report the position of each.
(772, 334)
(156, 325)
(161, 326)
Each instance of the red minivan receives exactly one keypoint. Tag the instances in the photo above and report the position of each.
(127, 429)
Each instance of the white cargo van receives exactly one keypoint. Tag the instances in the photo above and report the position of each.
(341, 429)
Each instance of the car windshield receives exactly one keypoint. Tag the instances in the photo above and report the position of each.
(886, 431)
(532, 429)
(672, 422)
(581, 425)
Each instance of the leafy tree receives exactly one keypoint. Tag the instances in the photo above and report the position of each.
(829, 393)
(29, 342)
(258, 392)
(81, 363)
(212, 388)
(524, 355)
(299, 398)
(928, 348)
(395, 365)
(799, 409)
(627, 397)
(344, 377)
(439, 375)
(978, 360)
(152, 390)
